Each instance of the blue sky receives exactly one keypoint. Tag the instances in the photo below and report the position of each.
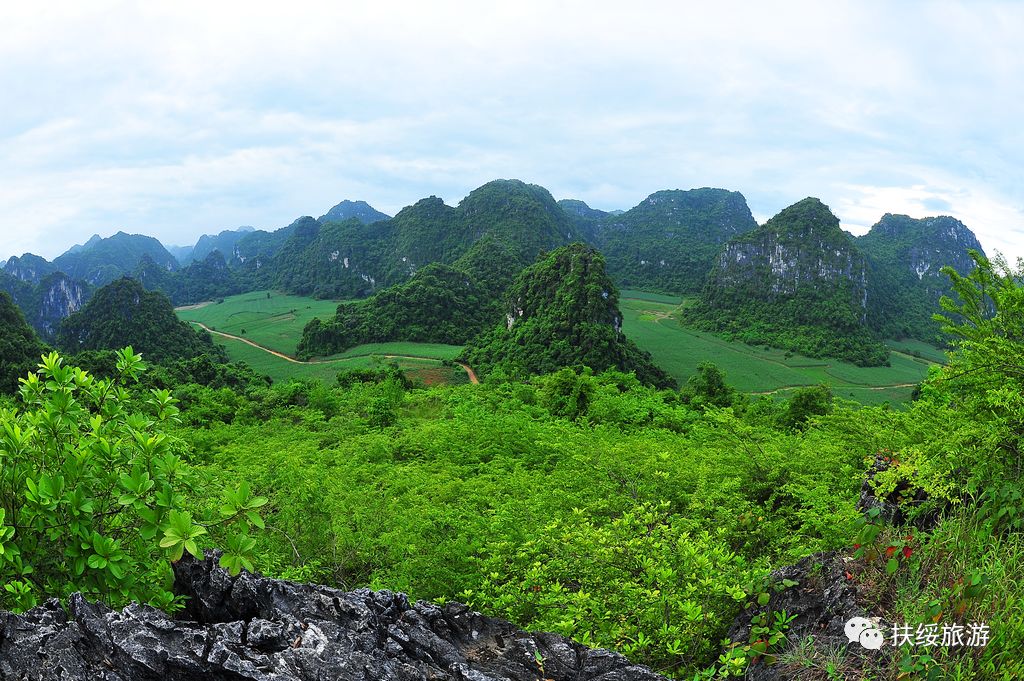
(178, 119)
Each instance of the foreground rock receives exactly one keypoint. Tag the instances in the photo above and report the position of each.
(824, 599)
(250, 627)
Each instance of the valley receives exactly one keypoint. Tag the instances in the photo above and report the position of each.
(252, 327)
(262, 329)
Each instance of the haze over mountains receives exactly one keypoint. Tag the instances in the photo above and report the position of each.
(798, 281)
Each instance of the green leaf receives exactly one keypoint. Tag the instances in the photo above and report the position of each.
(891, 566)
(255, 519)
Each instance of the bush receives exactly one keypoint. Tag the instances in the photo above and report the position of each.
(91, 491)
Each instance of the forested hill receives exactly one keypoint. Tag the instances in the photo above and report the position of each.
(224, 242)
(123, 313)
(670, 240)
(101, 261)
(562, 312)
(797, 282)
(905, 257)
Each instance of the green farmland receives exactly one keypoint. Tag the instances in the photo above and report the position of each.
(273, 320)
(275, 323)
(650, 321)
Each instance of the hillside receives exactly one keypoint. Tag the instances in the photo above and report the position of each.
(29, 268)
(905, 258)
(562, 312)
(20, 348)
(45, 303)
(439, 304)
(797, 282)
(123, 313)
(668, 242)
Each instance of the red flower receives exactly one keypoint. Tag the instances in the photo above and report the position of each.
(889, 551)
(907, 552)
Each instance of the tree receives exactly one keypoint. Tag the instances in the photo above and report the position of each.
(708, 387)
(91, 491)
(815, 400)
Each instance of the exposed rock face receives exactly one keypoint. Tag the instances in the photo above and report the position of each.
(59, 297)
(906, 257)
(801, 247)
(29, 267)
(250, 627)
(797, 282)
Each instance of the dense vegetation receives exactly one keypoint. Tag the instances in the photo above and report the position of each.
(668, 242)
(440, 304)
(626, 516)
(359, 210)
(123, 313)
(101, 261)
(905, 257)
(562, 312)
(20, 348)
(797, 282)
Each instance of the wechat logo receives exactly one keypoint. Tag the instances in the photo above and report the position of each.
(865, 632)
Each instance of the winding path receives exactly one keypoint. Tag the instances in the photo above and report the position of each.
(468, 369)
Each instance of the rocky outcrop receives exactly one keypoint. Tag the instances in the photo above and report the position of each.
(802, 247)
(29, 267)
(799, 283)
(59, 297)
(905, 258)
(824, 599)
(250, 627)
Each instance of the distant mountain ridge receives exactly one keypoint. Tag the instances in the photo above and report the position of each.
(669, 241)
(694, 241)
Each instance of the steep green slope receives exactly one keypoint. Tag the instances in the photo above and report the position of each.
(124, 313)
(562, 312)
(20, 348)
(440, 304)
(799, 283)
(333, 260)
(669, 242)
(905, 257)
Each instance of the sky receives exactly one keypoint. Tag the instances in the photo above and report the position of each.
(176, 119)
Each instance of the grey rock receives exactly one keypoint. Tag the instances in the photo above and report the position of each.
(253, 628)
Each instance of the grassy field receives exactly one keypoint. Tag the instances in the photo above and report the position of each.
(276, 322)
(648, 320)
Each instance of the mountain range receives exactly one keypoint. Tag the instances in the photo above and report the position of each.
(798, 281)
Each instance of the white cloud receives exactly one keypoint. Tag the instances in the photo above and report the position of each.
(188, 117)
